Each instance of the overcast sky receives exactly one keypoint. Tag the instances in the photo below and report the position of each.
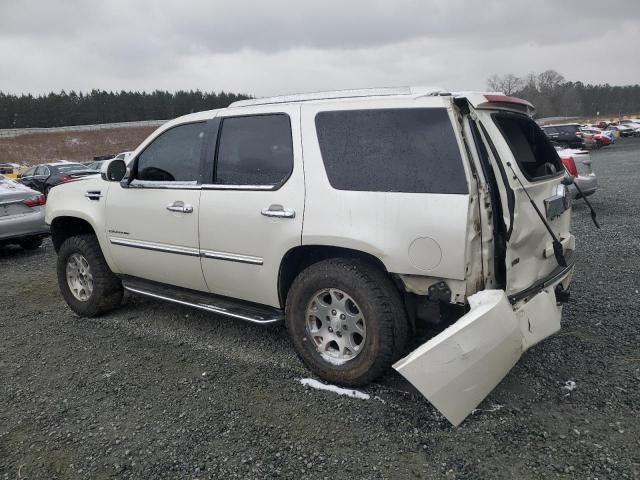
(272, 47)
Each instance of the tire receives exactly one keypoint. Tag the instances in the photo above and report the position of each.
(106, 292)
(377, 299)
(31, 243)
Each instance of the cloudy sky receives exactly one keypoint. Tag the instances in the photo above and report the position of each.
(272, 47)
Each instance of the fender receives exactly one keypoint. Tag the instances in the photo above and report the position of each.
(83, 199)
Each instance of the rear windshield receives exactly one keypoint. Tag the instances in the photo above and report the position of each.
(531, 148)
(71, 168)
(410, 150)
(569, 129)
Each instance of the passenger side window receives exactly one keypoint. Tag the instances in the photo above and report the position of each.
(42, 172)
(174, 156)
(29, 173)
(254, 150)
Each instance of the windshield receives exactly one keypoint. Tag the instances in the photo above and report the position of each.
(94, 166)
(531, 148)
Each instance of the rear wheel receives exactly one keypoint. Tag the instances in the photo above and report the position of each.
(346, 320)
(31, 243)
(87, 284)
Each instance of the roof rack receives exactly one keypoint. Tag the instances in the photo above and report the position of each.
(361, 92)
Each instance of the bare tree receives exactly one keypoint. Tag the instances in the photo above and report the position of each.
(508, 84)
(549, 80)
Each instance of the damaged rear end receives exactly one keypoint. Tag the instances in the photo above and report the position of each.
(527, 249)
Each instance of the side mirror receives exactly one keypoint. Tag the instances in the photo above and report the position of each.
(19, 175)
(113, 170)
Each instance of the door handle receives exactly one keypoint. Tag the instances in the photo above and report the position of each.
(180, 207)
(278, 211)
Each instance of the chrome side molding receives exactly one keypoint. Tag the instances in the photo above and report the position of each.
(192, 252)
(156, 247)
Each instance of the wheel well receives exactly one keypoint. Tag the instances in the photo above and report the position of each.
(65, 227)
(299, 258)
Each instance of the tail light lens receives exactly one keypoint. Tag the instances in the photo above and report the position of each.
(36, 201)
(570, 165)
(578, 134)
(65, 179)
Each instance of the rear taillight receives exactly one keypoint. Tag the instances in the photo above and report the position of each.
(578, 134)
(570, 165)
(36, 201)
(65, 179)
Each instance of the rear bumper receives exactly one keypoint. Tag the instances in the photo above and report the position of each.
(458, 368)
(21, 226)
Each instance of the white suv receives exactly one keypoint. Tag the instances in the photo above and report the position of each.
(349, 215)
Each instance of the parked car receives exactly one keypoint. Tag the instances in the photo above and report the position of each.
(598, 136)
(633, 125)
(97, 165)
(623, 130)
(578, 165)
(46, 176)
(348, 215)
(10, 170)
(21, 215)
(567, 135)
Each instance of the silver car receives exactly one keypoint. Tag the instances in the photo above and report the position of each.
(21, 215)
(578, 164)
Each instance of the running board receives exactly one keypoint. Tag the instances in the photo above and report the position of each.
(229, 307)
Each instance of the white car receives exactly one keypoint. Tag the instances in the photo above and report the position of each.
(347, 215)
(578, 164)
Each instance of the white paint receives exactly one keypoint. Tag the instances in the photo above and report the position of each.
(310, 382)
(458, 368)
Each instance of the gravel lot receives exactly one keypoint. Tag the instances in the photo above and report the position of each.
(158, 391)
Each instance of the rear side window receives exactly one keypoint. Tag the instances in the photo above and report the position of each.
(255, 150)
(569, 129)
(391, 150)
(174, 156)
(529, 145)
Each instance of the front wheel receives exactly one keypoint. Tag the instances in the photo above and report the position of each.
(86, 282)
(346, 320)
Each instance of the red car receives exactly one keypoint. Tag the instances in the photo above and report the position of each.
(597, 135)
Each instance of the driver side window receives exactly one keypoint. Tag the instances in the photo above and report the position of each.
(174, 156)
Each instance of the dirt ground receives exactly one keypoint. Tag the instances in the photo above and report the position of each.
(78, 146)
(154, 390)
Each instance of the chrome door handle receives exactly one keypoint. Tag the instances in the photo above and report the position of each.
(180, 207)
(278, 211)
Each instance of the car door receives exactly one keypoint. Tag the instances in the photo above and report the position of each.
(40, 177)
(27, 177)
(251, 211)
(152, 217)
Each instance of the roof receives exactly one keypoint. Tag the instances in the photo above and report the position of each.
(334, 94)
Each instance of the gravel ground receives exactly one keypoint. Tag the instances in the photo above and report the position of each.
(158, 391)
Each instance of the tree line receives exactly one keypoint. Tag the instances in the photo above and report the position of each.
(554, 96)
(101, 106)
